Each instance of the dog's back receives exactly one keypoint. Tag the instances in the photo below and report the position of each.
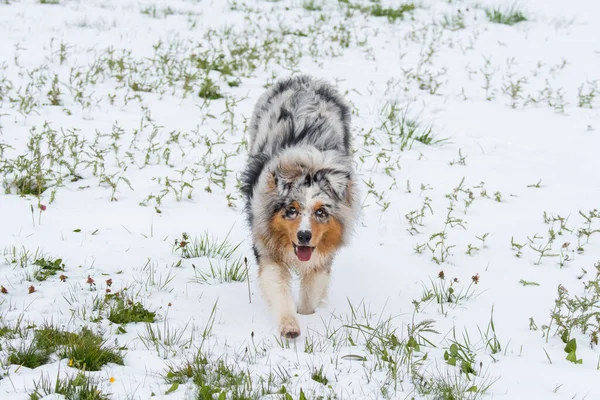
(300, 111)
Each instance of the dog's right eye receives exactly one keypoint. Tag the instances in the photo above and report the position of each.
(291, 212)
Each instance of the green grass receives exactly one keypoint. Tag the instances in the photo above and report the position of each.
(311, 5)
(403, 131)
(392, 14)
(210, 90)
(124, 311)
(205, 246)
(89, 351)
(85, 350)
(213, 379)
(37, 351)
(453, 386)
(79, 387)
(319, 376)
(28, 355)
(224, 272)
(49, 2)
(508, 16)
(46, 267)
(377, 10)
(8, 331)
(48, 337)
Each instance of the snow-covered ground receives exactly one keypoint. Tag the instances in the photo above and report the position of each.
(100, 106)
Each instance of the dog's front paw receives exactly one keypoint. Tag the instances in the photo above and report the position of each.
(306, 309)
(288, 327)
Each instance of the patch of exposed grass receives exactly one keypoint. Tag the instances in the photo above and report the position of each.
(124, 311)
(85, 350)
(311, 5)
(89, 351)
(49, 337)
(453, 386)
(49, 1)
(392, 14)
(377, 10)
(212, 378)
(506, 16)
(29, 355)
(79, 387)
(36, 352)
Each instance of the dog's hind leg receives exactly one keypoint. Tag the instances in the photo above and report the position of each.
(313, 288)
(274, 281)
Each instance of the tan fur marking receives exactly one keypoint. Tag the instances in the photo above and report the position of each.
(327, 237)
(283, 231)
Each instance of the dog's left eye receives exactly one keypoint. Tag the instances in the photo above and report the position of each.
(291, 212)
(320, 213)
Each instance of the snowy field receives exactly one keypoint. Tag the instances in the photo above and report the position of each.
(474, 271)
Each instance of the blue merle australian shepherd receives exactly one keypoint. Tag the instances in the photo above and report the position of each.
(301, 200)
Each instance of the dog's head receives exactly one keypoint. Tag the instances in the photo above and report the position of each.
(311, 194)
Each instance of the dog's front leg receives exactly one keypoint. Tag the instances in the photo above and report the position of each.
(274, 281)
(313, 288)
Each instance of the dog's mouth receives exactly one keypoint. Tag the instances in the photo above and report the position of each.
(303, 252)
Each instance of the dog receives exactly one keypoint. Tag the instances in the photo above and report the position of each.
(300, 191)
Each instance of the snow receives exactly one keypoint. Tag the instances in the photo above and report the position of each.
(509, 144)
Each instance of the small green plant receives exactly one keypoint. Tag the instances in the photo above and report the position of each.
(586, 94)
(123, 310)
(462, 355)
(49, 1)
(507, 16)
(489, 336)
(210, 90)
(46, 267)
(571, 349)
(516, 246)
(576, 312)
(54, 93)
(528, 283)
(445, 293)
(319, 376)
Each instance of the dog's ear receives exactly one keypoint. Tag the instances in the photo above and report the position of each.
(284, 176)
(336, 184)
(349, 192)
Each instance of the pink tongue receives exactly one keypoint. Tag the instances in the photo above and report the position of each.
(303, 253)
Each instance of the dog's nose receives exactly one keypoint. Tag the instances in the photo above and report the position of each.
(304, 237)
